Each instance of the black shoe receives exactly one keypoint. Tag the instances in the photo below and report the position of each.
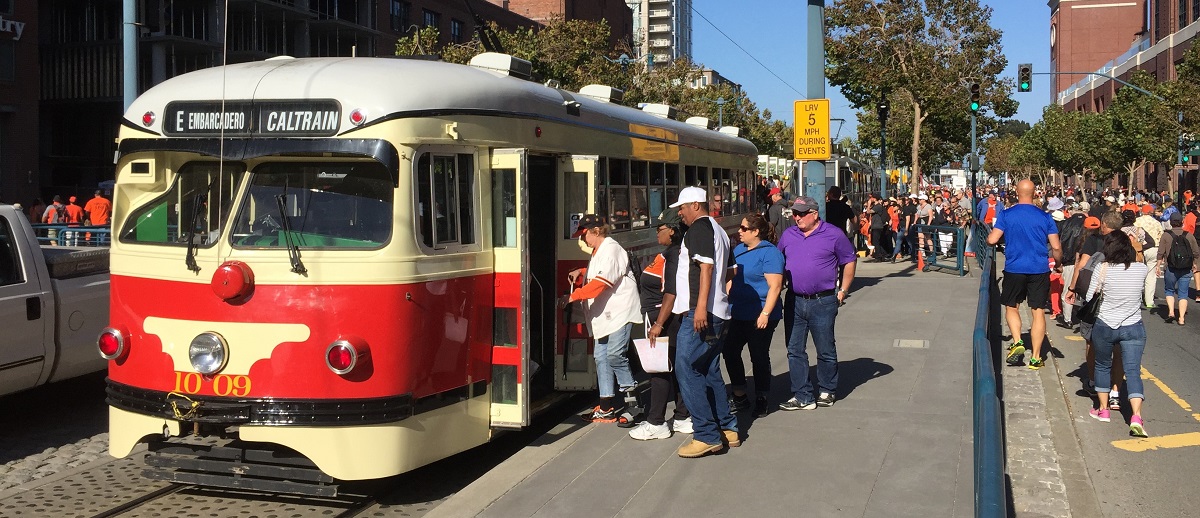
(760, 407)
(793, 404)
(739, 403)
(825, 399)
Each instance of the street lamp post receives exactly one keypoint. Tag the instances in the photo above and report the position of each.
(721, 102)
(882, 109)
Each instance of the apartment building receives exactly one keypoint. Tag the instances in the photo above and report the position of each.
(616, 13)
(662, 30)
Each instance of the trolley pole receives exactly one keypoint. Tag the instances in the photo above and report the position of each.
(814, 170)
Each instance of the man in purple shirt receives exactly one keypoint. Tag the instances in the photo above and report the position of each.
(814, 252)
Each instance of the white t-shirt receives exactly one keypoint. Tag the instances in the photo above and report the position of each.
(619, 304)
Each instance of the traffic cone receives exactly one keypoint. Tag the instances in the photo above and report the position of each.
(921, 258)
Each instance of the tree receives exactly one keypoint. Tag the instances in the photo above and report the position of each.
(925, 51)
(576, 53)
(999, 153)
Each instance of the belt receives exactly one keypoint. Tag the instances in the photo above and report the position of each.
(817, 295)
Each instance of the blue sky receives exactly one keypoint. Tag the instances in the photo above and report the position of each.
(774, 32)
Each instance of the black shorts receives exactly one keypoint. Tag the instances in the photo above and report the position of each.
(1034, 287)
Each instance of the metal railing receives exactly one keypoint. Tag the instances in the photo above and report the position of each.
(72, 235)
(944, 242)
(991, 498)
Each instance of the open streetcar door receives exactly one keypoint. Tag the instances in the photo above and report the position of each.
(511, 370)
(573, 366)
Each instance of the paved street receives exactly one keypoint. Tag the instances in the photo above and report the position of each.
(1142, 477)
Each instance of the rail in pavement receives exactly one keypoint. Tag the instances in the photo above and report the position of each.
(897, 443)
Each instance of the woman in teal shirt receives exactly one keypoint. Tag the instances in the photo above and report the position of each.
(755, 307)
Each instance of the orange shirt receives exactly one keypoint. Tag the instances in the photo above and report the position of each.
(74, 213)
(1189, 222)
(99, 210)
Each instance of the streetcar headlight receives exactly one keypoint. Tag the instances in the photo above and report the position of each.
(208, 353)
(111, 343)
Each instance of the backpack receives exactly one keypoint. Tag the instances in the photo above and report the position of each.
(60, 214)
(1180, 255)
(635, 266)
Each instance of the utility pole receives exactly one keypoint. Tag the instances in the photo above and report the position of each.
(814, 170)
(882, 111)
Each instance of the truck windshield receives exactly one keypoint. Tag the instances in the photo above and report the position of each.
(202, 192)
(327, 205)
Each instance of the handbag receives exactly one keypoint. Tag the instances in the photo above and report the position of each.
(1091, 309)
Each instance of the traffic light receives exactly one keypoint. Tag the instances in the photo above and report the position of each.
(974, 89)
(1025, 77)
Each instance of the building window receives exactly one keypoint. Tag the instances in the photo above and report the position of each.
(432, 19)
(456, 31)
(1195, 9)
(6, 6)
(8, 61)
(1183, 17)
(400, 15)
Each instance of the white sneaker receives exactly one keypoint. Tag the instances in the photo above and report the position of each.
(646, 431)
(682, 425)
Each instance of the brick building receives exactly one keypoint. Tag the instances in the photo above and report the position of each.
(1149, 35)
(61, 78)
(19, 85)
(615, 12)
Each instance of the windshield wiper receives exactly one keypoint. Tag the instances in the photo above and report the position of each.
(190, 260)
(293, 248)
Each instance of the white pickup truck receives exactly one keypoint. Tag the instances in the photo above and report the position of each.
(53, 304)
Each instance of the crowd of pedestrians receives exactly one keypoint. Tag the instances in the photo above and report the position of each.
(95, 212)
(706, 300)
(1092, 259)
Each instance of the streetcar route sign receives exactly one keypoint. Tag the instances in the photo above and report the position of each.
(812, 140)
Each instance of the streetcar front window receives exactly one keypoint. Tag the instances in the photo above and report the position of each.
(315, 205)
(200, 197)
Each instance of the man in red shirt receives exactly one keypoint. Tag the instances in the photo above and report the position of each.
(98, 209)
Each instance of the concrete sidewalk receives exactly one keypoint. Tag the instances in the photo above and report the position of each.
(896, 443)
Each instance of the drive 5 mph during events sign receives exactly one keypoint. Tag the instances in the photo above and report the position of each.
(812, 130)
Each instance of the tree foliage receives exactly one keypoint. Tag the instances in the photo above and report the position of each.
(921, 54)
(576, 53)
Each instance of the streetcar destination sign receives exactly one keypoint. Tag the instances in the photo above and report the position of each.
(310, 118)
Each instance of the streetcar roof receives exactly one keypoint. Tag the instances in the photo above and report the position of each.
(383, 88)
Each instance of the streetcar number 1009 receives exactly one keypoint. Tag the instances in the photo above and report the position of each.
(222, 384)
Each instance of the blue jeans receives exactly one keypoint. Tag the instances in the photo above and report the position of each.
(611, 361)
(815, 316)
(1177, 282)
(898, 237)
(1132, 339)
(698, 367)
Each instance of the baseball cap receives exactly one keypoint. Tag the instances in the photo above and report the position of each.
(670, 218)
(72, 199)
(1091, 222)
(1147, 208)
(1057, 215)
(690, 195)
(1176, 217)
(775, 191)
(1083, 205)
(912, 195)
(923, 197)
(804, 204)
(57, 199)
(1109, 199)
(586, 222)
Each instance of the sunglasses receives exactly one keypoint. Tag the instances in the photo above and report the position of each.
(745, 228)
(802, 214)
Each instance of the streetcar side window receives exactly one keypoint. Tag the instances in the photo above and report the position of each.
(658, 174)
(618, 194)
(446, 199)
(639, 211)
(200, 195)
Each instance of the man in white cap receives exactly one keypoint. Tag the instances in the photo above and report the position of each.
(703, 302)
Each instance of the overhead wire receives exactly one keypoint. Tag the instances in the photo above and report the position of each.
(736, 44)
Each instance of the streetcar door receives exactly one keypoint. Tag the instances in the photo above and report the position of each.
(574, 369)
(510, 244)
